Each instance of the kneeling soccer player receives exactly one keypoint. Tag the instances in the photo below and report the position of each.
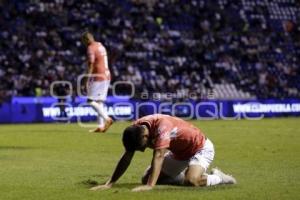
(181, 154)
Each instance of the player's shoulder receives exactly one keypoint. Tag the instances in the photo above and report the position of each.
(164, 120)
(100, 47)
(156, 118)
(165, 117)
(144, 118)
(91, 46)
(97, 44)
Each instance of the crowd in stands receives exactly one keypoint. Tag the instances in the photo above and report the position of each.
(162, 46)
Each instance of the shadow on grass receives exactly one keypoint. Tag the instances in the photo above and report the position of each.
(21, 148)
(91, 182)
(168, 188)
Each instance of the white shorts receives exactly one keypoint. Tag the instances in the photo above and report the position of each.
(203, 158)
(97, 90)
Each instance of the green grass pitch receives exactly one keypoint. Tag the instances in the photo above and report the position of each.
(61, 161)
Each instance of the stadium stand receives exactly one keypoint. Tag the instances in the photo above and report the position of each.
(234, 49)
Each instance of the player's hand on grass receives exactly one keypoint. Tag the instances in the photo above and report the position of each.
(142, 188)
(101, 187)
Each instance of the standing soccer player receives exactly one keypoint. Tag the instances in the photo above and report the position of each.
(98, 80)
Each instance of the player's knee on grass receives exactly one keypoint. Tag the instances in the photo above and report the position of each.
(194, 176)
(145, 178)
(162, 179)
(192, 180)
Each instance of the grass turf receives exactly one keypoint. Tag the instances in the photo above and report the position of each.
(57, 161)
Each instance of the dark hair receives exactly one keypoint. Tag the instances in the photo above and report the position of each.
(132, 137)
(87, 34)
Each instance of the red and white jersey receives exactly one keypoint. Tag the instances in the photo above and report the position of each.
(97, 56)
(182, 138)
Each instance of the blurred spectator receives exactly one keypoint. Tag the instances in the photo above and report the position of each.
(168, 46)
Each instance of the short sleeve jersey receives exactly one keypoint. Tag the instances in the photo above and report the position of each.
(182, 138)
(97, 56)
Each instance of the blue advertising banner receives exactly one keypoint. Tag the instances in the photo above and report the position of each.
(49, 109)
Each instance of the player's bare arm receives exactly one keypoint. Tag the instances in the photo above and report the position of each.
(121, 167)
(157, 161)
(90, 63)
(87, 39)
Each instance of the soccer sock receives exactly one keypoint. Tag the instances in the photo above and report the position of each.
(213, 180)
(100, 122)
(99, 109)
